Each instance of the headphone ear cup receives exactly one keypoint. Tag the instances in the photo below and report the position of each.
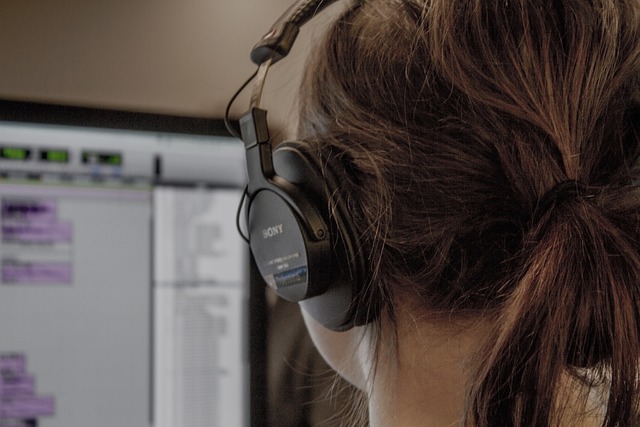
(337, 304)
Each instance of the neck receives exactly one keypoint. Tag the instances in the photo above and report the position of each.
(423, 383)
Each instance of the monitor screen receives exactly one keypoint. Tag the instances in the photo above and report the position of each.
(124, 296)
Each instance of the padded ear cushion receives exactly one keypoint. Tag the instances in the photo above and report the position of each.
(339, 306)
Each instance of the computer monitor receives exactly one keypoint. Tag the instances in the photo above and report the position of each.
(124, 284)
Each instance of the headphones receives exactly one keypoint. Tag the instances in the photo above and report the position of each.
(301, 235)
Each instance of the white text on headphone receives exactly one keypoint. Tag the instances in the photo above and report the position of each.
(272, 231)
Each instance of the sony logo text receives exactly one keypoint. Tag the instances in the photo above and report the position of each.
(272, 231)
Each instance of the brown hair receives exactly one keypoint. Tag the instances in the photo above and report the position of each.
(452, 119)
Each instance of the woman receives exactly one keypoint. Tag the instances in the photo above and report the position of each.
(490, 155)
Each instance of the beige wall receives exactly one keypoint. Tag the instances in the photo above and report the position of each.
(183, 57)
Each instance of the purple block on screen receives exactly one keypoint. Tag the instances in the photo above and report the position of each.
(36, 273)
(17, 385)
(29, 210)
(37, 232)
(26, 407)
(13, 364)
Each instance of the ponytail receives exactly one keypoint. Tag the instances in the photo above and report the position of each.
(574, 308)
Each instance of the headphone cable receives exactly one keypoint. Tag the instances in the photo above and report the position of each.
(234, 132)
(227, 122)
(238, 212)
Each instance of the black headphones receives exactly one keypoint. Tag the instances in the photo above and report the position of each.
(301, 235)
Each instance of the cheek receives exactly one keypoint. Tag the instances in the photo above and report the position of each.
(348, 353)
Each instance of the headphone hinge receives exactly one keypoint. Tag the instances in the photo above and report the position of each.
(253, 127)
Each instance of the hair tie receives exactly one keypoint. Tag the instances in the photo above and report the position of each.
(560, 193)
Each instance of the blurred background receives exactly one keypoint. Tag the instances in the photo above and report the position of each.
(161, 56)
(130, 61)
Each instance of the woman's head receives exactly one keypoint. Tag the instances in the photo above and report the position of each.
(490, 158)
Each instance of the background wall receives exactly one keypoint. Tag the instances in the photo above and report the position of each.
(183, 57)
